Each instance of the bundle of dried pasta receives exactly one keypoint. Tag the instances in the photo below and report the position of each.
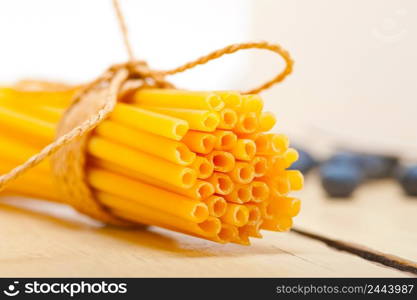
(200, 163)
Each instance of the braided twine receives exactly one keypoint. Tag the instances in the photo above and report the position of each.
(95, 102)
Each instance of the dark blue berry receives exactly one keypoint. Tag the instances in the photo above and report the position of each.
(305, 161)
(340, 178)
(408, 180)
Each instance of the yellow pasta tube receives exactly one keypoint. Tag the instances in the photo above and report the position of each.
(290, 156)
(228, 233)
(252, 230)
(222, 183)
(246, 123)
(21, 122)
(267, 121)
(260, 166)
(231, 99)
(178, 99)
(143, 163)
(150, 143)
(45, 113)
(245, 149)
(259, 191)
(34, 183)
(270, 144)
(156, 123)
(222, 161)
(18, 152)
(264, 209)
(284, 205)
(203, 167)
(224, 140)
(228, 118)
(29, 190)
(216, 206)
(279, 182)
(200, 190)
(242, 238)
(203, 120)
(240, 194)
(242, 173)
(148, 195)
(137, 213)
(255, 215)
(50, 98)
(170, 150)
(278, 223)
(296, 179)
(200, 142)
(236, 214)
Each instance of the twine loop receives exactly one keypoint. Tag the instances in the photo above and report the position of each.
(94, 103)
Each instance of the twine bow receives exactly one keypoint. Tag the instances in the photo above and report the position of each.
(94, 102)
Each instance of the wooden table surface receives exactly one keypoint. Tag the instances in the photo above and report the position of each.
(52, 240)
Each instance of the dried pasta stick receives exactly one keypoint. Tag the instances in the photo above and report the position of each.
(231, 99)
(245, 149)
(224, 140)
(202, 120)
(281, 184)
(203, 167)
(247, 123)
(236, 214)
(18, 151)
(242, 238)
(240, 194)
(141, 213)
(228, 233)
(222, 161)
(242, 173)
(33, 183)
(259, 191)
(141, 162)
(168, 149)
(20, 122)
(260, 166)
(156, 123)
(252, 230)
(277, 223)
(252, 103)
(267, 121)
(50, 98)
(228, 118)
(255, 215)
(271, 144)
(141, 193)
(295, 178)
(216, 206)
(290, 156)
(284, 205)
(222, 183)
(200, 190)
(180, 176)
(178, 99)
(200, 142)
